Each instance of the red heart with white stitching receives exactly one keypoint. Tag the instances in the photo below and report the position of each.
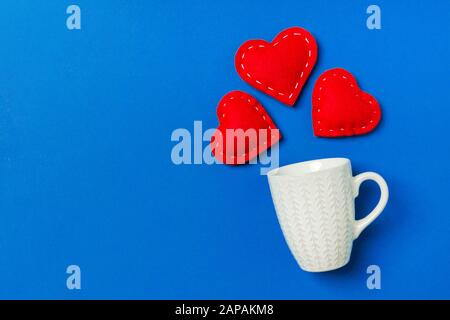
(245, 129)
(341, 108)
(280, 68)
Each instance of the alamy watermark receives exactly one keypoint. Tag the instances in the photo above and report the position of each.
(373, 22)
(73, 21)
(374, 280)
(73, 281)
(236, 146)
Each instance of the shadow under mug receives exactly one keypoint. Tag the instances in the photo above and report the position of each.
(315, 205)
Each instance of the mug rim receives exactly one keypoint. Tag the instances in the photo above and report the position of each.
(308, 167)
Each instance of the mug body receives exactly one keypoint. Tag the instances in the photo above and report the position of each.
(314, 202)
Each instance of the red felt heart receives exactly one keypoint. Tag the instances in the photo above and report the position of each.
(341, 108)
(279, 68)
(245, 129)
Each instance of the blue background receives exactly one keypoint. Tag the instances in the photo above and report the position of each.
(86, 175)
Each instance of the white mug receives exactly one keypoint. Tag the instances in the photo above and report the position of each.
(314, 202)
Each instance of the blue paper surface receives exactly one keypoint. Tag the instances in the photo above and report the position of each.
(86, 175)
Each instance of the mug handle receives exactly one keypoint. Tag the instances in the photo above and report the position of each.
(361, 224)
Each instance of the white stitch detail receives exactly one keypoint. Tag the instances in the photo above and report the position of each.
(263, 117)
(356, 95)
(275, 44)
